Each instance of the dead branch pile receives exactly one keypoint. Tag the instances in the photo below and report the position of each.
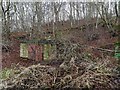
(67, 49)
(70, 74)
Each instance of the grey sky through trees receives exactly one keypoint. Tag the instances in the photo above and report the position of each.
(27, 8)
(63, 0)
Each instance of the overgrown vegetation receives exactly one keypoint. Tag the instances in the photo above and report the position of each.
(80, 32)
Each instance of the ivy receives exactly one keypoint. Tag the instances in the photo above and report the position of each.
(117, 27)
(117, 50)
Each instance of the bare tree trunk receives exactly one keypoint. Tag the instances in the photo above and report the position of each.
(39, 19)
(71, 16)
(78, 14)
(5, 22)
(103, 16)
(118, 20)
(97, 19)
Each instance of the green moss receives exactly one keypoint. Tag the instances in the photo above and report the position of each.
(117, 44)
(117, 50)
(6, 73)
(116, 27)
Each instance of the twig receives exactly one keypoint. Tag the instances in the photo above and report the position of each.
(107, 50)
(102, 49)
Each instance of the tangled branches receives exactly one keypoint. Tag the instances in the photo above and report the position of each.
(69, 74)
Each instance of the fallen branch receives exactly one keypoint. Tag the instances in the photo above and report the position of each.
(102, 49)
